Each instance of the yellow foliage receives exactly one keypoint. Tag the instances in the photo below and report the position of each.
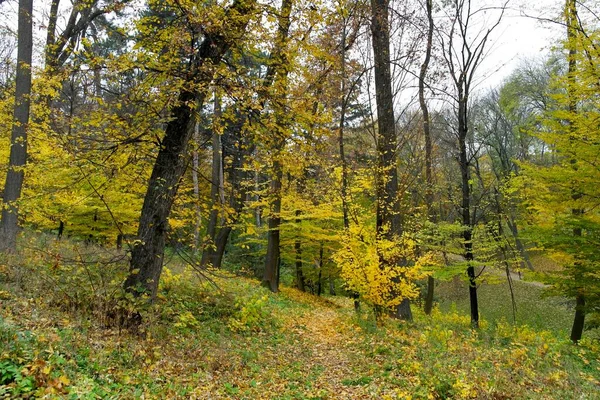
(379, 283)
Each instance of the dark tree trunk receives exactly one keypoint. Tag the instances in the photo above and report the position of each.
(512, 225)
(320, 276)
(278, 70)
(579, 321)
(272, 261)
(61, 229)
(209, 247)
(341, 132)
(238, 194)
(466, 205)
(389, 224)
(196, 185)
(220, 244)
(298, 249)
(572, 27)
(148, 250)
(388, 216)
(171, 162)
(300, 285)
(9, 226)
(51, 34)
(428, 144)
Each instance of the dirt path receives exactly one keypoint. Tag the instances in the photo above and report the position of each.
(330, 346)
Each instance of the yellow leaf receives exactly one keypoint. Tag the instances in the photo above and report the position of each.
(64, 380)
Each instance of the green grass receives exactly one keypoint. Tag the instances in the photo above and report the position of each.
(242, 342)
(534, 307)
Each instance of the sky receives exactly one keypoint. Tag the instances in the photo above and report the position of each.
(521, 35)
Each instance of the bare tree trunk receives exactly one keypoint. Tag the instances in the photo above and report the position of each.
(220, 244)
(195, 167)
(466, 205)
(463, 53)
(300, 284)
(344, 103)
(512, 225)
(148, 251)
(341, 131)
(257, 209)
(9, 226)
(272, 260)
(299, 273)
(320, 276)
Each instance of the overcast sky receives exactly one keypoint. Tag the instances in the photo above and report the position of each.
(521, 36)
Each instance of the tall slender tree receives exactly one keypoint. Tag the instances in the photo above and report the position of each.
(428, 142)
(463, 51)
(389, 222)
(279, 70)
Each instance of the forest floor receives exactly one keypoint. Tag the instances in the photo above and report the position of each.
(242, 342)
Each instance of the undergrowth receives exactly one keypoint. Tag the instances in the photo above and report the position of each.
(60, 337)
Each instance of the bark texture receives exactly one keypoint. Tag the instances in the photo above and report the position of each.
(9, 226)
(278, 71)
(148, 252)
(428, 143)
(389, 223)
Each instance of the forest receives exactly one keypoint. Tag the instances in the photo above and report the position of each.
(274, 199)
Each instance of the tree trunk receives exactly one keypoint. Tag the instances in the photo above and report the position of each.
(148, 251)
(9, 226)
(389, 226)
(428, 144)
(220, 244)
(466, 206)
(277, 71)
(208, 247)
(579, 321)
(171, 162)
(195, 167)
(239, 191)
(341, 131)
(298, 249)
(272, 261)
(572, 25)
(512, 225)
(320, 276)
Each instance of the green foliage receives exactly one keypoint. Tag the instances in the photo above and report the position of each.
(9, 372)
(561, 196)
(251, 315)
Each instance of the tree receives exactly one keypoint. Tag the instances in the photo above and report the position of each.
(9, 225)
(389, 223)
(428, 141)
(562, 196)
(279, 70)
(463, 52)
(172, 159)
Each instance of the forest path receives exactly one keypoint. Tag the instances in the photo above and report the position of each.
(327, 346)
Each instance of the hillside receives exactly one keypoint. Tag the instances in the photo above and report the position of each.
(239, 341)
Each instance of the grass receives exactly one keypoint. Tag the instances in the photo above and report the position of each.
(242, 342)
(533, 307)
